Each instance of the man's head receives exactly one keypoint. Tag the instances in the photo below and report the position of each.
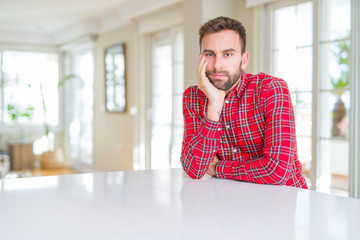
(223, 23)
(222, 43)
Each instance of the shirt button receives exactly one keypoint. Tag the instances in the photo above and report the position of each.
(234, 150)
(227, 126)
(219, 129)
(226, 101)
(214, 151)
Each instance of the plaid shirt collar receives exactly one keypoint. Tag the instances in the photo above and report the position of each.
(239, 89)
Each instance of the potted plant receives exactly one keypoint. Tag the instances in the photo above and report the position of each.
(339, 85)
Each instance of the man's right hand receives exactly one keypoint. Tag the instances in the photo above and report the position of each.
(215, 96)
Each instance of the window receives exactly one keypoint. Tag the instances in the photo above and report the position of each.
(25, 77)
(167, 86)
(79, 108)
(312, 54)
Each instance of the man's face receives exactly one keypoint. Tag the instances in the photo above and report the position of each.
(225, 60)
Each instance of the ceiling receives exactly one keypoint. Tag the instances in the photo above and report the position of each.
(53, 22)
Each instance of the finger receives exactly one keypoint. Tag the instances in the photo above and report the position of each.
(203, 70)
(201, 63)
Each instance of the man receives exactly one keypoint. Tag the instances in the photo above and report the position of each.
(237, 126)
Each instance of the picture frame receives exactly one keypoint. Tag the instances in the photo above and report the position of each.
(115, 78)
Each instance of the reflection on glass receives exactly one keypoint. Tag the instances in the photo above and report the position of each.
(115, 78)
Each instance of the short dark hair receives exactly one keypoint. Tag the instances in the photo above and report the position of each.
(223, 23)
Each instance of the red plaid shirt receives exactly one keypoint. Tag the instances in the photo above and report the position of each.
(254, 139)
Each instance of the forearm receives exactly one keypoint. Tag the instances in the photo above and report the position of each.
(199, 151)
(265, 170)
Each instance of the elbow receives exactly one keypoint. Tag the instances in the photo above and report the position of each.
(281, 178)
(192, 172)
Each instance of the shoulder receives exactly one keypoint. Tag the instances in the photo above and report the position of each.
(193, 93)
(264, 82)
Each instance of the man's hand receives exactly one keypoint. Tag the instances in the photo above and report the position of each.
(211, 92)
(215, 96)
(211, 170)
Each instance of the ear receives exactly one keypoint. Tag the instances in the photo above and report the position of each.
(245, 60)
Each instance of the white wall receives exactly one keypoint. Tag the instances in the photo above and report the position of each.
(113, 132)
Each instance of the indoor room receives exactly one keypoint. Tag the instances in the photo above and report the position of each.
(90, 87)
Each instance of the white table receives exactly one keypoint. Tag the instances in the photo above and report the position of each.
(166, 204)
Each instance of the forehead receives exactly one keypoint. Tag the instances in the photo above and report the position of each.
(225, 39)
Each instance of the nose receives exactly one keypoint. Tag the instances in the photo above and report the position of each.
(218, 63)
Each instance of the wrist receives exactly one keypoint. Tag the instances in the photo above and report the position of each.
(214, 111)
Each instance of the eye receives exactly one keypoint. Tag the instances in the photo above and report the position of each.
(228, 54)
(209, 54)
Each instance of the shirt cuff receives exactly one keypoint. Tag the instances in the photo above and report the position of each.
(223, 169)
(211, 129)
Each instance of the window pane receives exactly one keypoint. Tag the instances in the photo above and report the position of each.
(176, 147)
(162, 109)
(334, 166)
(336, 19)
(178, 116)
(26, 75)
(334, 93)
(304, 154)
(178, 78)
(336, 65)
(334, 112)
(304, 22)
(303, 113)
(160, 146)
(285, 32)
(80, 108)
(162, 79)
(166, 98)
(285, 66)
(304, 66)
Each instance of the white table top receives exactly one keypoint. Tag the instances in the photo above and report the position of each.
(166, 204)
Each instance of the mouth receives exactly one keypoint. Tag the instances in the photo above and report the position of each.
(217, 75)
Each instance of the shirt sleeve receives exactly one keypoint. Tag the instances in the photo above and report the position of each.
(278, 159)
(201, 139)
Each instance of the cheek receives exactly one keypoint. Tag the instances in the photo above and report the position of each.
(235, 64)
(210, 63)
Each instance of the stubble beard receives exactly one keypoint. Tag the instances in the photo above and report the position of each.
(227, 84)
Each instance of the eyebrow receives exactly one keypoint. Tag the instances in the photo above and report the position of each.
(224, 51)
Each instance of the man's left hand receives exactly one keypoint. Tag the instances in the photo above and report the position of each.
(211, 170)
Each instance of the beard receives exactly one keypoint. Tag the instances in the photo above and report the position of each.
(226, 84)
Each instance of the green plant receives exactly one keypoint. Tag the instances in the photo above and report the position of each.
(342, 53)
(16, 112)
